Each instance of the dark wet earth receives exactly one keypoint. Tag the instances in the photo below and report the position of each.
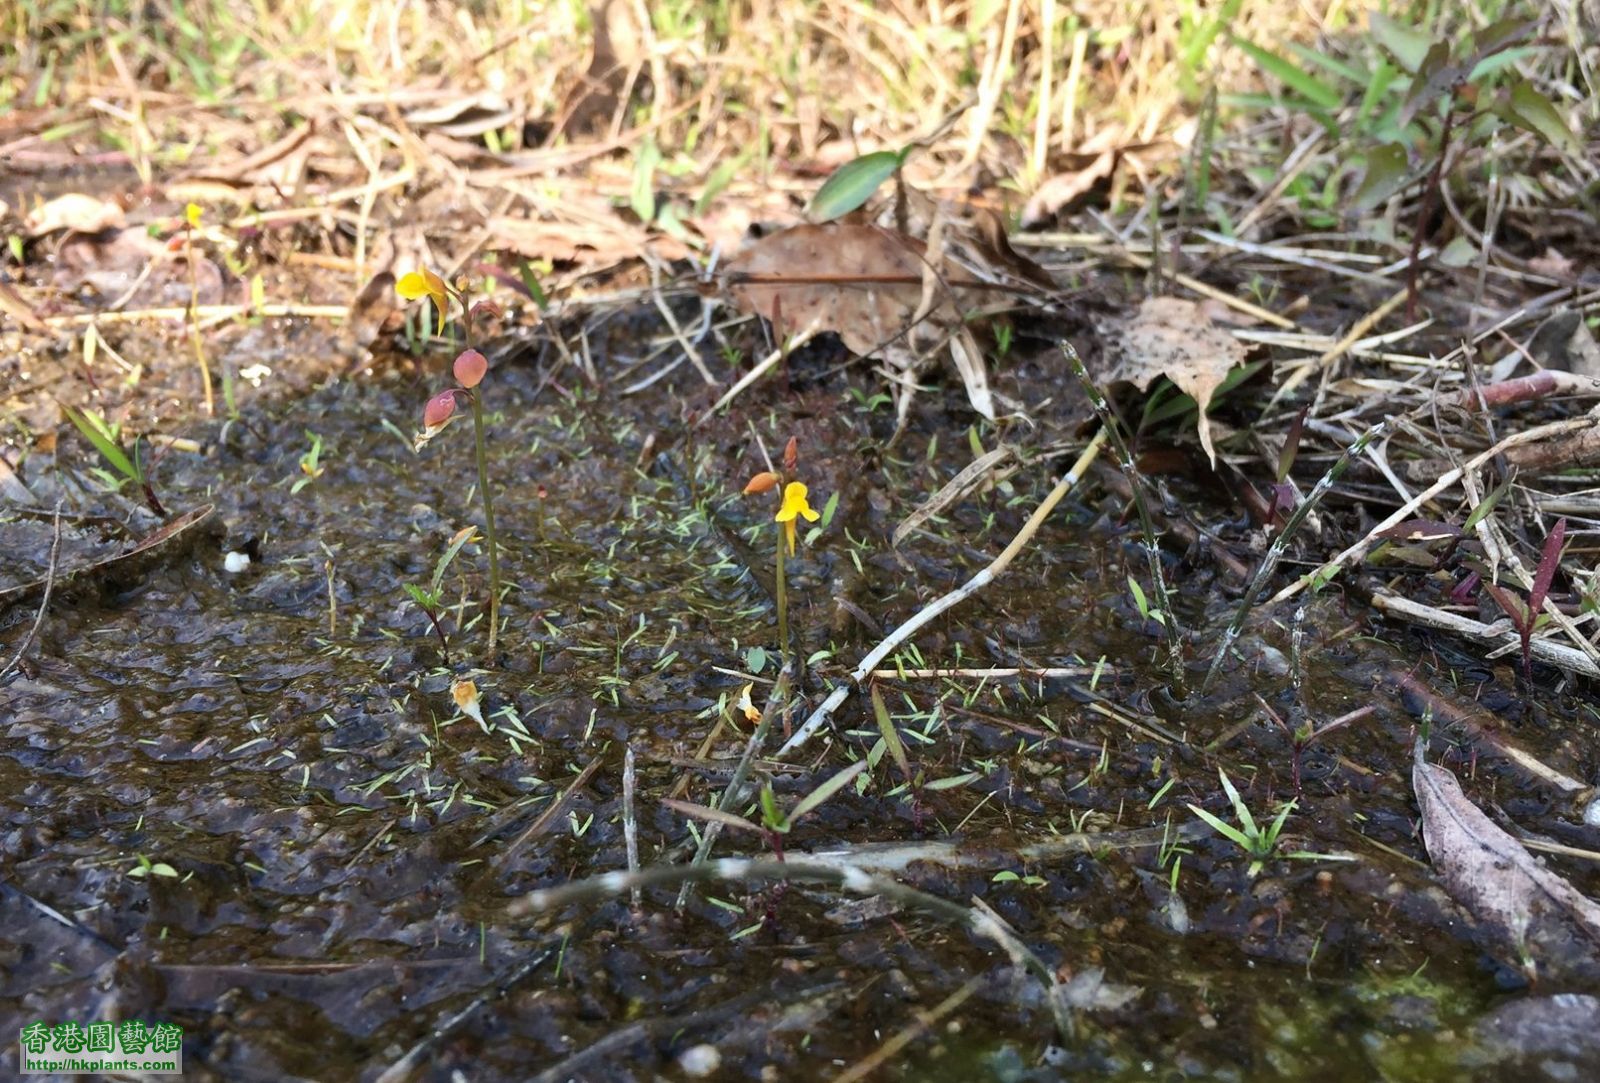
(246, 802)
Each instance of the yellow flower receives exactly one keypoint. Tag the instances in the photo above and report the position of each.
(425, 283)
(794, 504)
(192, 213)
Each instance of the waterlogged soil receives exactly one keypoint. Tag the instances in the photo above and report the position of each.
(246, 802)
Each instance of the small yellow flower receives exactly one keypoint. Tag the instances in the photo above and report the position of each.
(192, 213)
(752, 713)
(794, 504)
(425, 283)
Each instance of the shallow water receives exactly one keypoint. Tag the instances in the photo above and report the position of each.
(345, 844)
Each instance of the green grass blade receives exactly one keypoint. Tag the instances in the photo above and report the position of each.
(98, 433)
(1303, 83)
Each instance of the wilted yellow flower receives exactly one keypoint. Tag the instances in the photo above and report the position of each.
(752, 713)
(794, 504)
(424, 283)
(465, 693)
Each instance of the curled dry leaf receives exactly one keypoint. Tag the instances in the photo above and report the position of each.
(1172, 337)
(1064, 189)
(1529, 911)
(77, 212)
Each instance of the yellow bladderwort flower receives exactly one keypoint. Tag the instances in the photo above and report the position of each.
(424, 283)
(795, 505)
(192, 212)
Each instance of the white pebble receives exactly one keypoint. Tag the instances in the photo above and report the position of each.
(699, 1061)
(235, 562)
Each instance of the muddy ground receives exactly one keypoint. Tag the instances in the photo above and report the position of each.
(245, 802)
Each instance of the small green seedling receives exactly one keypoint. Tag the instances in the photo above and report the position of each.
(1257, 841)
(106, 438)
(147, 868)
(775, 824)
(311, 467)
(430, 599)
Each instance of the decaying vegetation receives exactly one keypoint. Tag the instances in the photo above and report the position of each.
(984, 522)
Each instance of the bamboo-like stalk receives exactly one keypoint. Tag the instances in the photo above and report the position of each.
(1137, 485)
(1280, 545)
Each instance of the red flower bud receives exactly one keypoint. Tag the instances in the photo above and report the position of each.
(439, 409)
(470, 368)
(791, 456)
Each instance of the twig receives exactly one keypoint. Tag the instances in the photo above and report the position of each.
(761, 369)
(925, 1021)
(547, 817)
(44, 603)
(1409, 508)
(983, 578)
(1500, 633)
(314, 312)
(403, 1068)
(777, 703)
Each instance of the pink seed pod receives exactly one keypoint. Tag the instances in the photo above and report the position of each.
(439, 409)
(470, 368)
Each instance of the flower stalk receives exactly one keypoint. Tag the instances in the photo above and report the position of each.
(469, 369)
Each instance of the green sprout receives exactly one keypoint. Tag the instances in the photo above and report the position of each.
(430, 599)
(1255, 840)
(106, 437)
(311, 467)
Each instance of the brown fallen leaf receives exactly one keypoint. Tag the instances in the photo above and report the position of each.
(1172, 337)
(130, 560)
(1064, 189)
(866, 284)
(1530, 912)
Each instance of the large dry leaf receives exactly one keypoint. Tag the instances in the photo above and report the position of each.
(1534, 912)
(871, 286)
(1172, 337)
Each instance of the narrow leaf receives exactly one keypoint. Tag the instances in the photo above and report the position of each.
(1549, 561)
(852, 184)
(712, 815)
(643, 197)
(1309, 86)
(823, 792)
(1406, 45)
(1531, 110)
(891, 736)
(1387, 172)
(95, 430)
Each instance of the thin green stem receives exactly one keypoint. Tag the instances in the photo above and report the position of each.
(783, 599)
(488, 524)
(1136, 483)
